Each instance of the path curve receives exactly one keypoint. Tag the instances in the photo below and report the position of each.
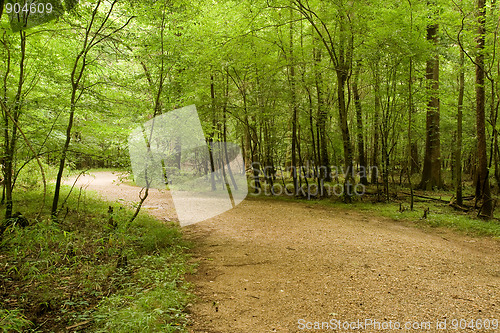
(273, 266)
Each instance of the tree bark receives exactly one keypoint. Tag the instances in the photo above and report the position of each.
(483, 193)
(431, 174)
(11, 140)
(342, 69)
(359, 122)
(409, 167)
(458, 151)
(323, 160)
(293, 101)
(376, 126)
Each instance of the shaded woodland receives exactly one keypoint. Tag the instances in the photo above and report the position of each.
(389, 102)
(304, 87)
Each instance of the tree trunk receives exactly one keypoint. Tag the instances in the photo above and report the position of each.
(224, 131)
(410, 143)
(359, 122)
(293, 100)
(458, 150)
(323, 160)
(342, 70)
(346, 138)
(483, 184)
(431, 174)
(212, 134)
(376, 126)
(62, 161)
(10, 142)
(415, 164)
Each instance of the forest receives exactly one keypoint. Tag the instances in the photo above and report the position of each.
(391, 102)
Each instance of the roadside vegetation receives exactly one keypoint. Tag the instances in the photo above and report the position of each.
(91, 269)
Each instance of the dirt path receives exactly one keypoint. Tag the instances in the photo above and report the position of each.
(270, 266)
(111, 186)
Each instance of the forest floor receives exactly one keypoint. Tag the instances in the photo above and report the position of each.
(279, 266)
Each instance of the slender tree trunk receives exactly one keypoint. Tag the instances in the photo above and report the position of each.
(293, 99)
(431, 174)
(494, 110)
(346, 138)
(359, 122)
(415, 164)
(496, 154)
(342, 70)
(10, 142)
(4, 114)
(311, 127)
(458, 151)
(224, 132)
(212, 134)
(483, 185)
(324, 163)
(62, 161)
(376, 126)
(410, 114)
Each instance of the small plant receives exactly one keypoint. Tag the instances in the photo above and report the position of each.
(13, 321)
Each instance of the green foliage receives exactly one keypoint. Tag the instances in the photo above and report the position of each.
(68, 268)
(30, 176)
(13, 321)
(151, 299)
(234, 60)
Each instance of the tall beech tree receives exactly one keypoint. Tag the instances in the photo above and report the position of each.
(359, 125)
(483, 192)
(458, 151)
(431, 173)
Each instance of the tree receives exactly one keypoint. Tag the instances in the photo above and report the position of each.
(341, 54)
(483, 192)
(92, 37)
(431, 173)
(294, 107)
(458, 151)
(323, 160)
(11, 117)
(359, 123)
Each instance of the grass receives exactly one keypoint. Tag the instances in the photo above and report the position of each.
(12, 321)
(82, 271)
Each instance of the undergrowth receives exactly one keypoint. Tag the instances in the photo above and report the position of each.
(83, 272)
